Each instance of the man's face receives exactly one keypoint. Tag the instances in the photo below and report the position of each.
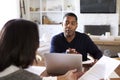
(69, 26)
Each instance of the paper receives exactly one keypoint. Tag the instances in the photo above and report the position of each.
(114, 75)
(101, 70)
(36, 69)
(87, 62)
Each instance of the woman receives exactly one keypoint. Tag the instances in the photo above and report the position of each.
(19, 40)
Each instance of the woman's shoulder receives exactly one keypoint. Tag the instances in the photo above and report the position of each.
(21, 75)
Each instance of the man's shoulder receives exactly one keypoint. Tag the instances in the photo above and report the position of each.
(81, 34)
(58, 35)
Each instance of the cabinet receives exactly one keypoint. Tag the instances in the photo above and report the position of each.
(48, 12)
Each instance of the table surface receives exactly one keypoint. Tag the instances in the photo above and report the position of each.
(117, 70)
(107, 42)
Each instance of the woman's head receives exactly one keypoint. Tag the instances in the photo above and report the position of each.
(19, 40)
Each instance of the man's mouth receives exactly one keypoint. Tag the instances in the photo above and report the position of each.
(68, 31)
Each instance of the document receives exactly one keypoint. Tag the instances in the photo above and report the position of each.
(36, 69)
(101, 70)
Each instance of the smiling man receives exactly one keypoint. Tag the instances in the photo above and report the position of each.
(71, 41)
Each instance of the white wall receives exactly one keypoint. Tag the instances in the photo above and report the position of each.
(118, 9)
(46, 32)
(89, 19)
(98, 19)
(9, 9)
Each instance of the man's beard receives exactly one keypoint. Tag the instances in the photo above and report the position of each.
(69, 34)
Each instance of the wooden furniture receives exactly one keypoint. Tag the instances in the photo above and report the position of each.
(41, 63)
(47, 12)
(109, 48)
(107, 42)
(117, 70)
(110, 45)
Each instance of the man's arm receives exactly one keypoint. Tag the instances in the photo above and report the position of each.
(93, 49)
(54, 48)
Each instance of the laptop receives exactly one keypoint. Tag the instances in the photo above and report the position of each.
(58, 64)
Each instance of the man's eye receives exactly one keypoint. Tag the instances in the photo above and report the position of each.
(67, 23)
(73, 23)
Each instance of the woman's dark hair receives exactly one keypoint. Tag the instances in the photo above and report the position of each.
(70, 14)
(19, 40)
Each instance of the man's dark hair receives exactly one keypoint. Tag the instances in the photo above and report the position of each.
(70, 14)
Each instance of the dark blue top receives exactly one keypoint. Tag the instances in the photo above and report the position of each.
(82, 43)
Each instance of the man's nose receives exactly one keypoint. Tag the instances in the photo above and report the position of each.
(69, 25)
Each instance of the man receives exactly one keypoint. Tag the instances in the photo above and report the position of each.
(71, 41)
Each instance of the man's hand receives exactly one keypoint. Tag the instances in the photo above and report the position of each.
(71, 51)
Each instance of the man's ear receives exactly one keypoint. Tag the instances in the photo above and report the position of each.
(76, 25)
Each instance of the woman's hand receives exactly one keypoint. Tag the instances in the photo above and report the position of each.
(70, 75)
